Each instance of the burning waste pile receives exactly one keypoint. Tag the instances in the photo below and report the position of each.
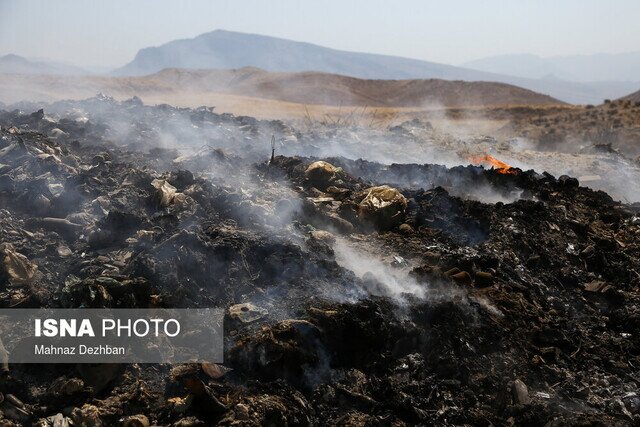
(355, 293)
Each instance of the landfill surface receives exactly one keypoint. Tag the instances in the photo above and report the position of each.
(390, 291)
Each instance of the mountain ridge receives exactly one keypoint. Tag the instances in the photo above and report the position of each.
(220, 49)
(621, 67)
(16, 64)
(320, 58)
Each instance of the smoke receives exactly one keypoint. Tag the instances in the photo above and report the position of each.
(378, 277)
(598, 169)
(438, 138)
(434, 139)
(440, 135)
(231, 154)
(376, 145)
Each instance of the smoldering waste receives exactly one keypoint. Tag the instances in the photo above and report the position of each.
(353, 297)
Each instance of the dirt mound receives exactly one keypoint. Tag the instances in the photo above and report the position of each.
(300, 88)
(332, 89)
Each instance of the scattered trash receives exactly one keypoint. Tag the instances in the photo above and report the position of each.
(383, 206)
(521, 392)
(321, 174)
(16, 268)
(464, 292)
(246, 312)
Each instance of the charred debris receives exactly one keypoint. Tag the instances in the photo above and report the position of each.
(357, 293)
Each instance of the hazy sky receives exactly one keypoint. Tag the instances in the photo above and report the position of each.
(109, 33)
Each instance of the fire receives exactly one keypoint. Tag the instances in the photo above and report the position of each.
(488, 160)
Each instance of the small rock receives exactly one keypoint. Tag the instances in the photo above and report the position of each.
(483, 278)
(596, 286)
(323, 236)
(214, 370)
(462, 277)
(341, 224)
(567, 181)
(406, 229)
(521, 392)
(452, 271)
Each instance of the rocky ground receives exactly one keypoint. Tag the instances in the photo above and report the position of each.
(615, 123)
(357, 292)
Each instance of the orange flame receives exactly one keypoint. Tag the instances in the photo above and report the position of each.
(488, 160)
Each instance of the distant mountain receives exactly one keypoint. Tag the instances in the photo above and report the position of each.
(221, 49)
(621, 67)
(228, 50)
(14, 64)
(523, 65)
(192, 87)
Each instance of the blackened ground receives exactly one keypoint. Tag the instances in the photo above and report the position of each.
(527, 312)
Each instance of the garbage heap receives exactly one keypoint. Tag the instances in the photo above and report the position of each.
(521, 313)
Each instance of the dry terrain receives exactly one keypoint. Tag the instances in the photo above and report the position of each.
(614, 122)
(309, 98)
(634, 97)
(234, 89)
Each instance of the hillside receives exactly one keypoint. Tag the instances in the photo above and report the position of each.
(299, 88)
(331, 89)
(634, 97)
(615, 123)
(227, 50)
